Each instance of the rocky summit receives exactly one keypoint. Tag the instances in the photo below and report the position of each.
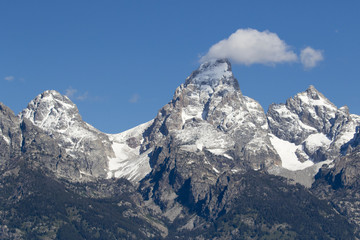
(211, 165)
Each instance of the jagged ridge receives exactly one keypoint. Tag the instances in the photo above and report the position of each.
(208, 132)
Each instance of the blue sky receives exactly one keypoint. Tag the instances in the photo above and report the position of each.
(121, 61)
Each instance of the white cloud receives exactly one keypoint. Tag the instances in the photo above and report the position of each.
(70, 92)
(310, 57)
(74, 94)
(249, 46)
(9, 78)
(83, 97)
(134, 98)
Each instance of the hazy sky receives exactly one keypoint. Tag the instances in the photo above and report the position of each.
(121, 61)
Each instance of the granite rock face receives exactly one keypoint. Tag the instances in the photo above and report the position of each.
(10, 134)
(59, 118)
(339, 184)
(209, 112)
(327, 136)
(207, 129)
(21, 139)
(316, 130)
(309, 113)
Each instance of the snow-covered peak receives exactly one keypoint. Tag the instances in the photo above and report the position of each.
(313, 109)
(212, 74)
(51, 96)
(312, 97)
(209, 114)
(310, 130)
(59, 117)
(51, 111)
(306, 113)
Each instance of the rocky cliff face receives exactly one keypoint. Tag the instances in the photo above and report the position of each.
(96, 154)
(210, 113)
(339, 183)
(10, 134)
(21, 139)
(207, 129)
(310, 113)
(314, 130)
(59, 118)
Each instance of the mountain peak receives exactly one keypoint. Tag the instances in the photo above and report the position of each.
(213, 73)
(52, 98)
(53, 95)
(313, 93)
(51, 110)
(312, 97)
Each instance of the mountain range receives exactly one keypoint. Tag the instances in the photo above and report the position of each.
(211, 165)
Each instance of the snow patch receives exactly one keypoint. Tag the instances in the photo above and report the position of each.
(314, 102)
(132, 132)
(189, 148)
(190, 113)
(128, 162)
(286, 151)
(208, 72)
(6, 139)
(219, 152)
(347, 133)
(204, 135)
(284, 112)
(317, 140)
(84, 174)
